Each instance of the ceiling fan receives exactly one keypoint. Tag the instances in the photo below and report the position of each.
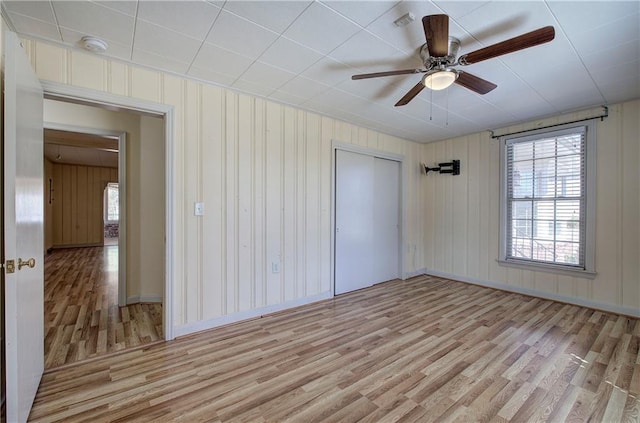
(439, 58)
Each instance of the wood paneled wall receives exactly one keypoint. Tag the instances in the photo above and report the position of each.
(263, 171)
(77, 204)
(463, 217)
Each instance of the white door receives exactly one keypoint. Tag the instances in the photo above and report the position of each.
(354, 221)
(23, 231)
(386, 220)
(367, 234)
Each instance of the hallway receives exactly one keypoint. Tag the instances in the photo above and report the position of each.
(82, 318)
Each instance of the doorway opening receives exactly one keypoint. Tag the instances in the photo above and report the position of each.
(99, 295)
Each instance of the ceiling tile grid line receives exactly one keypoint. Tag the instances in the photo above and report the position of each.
(203, 41)
(135, 28)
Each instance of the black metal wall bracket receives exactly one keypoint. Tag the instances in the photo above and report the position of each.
(452, 167)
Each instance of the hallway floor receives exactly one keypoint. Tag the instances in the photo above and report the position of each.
(82, 318)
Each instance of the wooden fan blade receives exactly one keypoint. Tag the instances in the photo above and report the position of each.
(474, 83)
(387, 73)
(436, 31)
(412, 93)
(530, 39)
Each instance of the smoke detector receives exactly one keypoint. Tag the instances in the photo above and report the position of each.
(93, 44)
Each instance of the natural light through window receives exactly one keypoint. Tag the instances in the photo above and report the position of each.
(112, 206)
(546, 198)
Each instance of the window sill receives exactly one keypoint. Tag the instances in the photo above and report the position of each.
(549, 268)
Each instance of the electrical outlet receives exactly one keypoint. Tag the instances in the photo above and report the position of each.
(275, 267)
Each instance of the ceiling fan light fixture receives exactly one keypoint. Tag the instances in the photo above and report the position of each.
(440, 79)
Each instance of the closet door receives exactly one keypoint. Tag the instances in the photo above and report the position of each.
(367, 234)
(354, 221)
(386, 220)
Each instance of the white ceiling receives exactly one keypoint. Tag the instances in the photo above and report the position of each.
(80, 149)
(303, 53)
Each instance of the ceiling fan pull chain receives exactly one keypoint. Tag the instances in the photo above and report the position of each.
(431, 105)
(446, 103)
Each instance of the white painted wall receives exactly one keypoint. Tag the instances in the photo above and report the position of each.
(145, 207)
(462, 215)
(149, 206)
(263, 171)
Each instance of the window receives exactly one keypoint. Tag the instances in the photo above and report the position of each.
(111, 203)
(548, 200)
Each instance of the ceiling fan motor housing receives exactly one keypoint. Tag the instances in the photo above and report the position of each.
(431, 62)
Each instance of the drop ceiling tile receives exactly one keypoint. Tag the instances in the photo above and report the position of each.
(221, 61)
(361, 12)
(93, 19)
(367, 52)
(321, 29)
(557, 84)
(607, 36)
(618, 54)
(304, 87)
(580, 17)
(266, 75)
(458, 9)
(336, 99)
(274, 15)
(40, 10)
(128, 7)
(375, 89)
(252, 88)
(159, 62)
(289, 55)
(329, 71)
(115, 49)
(27, 25)
(525, 62)
(194, 20)
(497, 21)
(619, 83)
(408, 38)
(239, 35)
(206, 74)
(164, 42)
(287, 98)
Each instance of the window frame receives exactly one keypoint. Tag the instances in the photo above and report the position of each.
(588, 271)
(105, 200)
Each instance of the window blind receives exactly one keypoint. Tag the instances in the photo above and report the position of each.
(546, 197)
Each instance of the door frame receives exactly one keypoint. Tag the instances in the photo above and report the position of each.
(367, 151)
(86, 96)
(122, 188)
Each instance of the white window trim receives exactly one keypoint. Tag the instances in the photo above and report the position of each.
(590, 168)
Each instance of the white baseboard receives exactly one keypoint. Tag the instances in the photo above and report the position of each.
(144, 299)
(613, 308)
(244, 315)
(409, 275)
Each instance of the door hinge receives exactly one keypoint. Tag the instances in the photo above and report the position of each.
(10, 265)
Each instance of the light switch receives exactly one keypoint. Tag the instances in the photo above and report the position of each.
(198, 209)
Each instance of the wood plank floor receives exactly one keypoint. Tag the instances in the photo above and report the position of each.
(82, 318)
(422, 350)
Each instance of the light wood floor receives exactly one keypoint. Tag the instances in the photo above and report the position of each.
(82, 318)
(417, 351)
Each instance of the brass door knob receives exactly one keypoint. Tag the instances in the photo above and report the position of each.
(31, 263)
